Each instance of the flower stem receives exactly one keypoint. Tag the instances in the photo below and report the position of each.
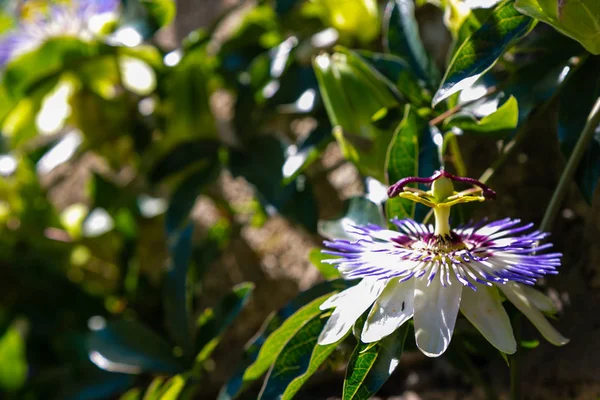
(515, 367)
(567, 176)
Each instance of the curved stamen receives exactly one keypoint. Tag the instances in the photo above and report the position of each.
(398, 187)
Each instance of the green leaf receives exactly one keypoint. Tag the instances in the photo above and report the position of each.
(50, 59)
(280, 337)
(239, 380)
(327, 271)
(505, 118)
(13, 360)
(370, 366)
(398, 74)
(186, 107)
(183, 156)
(131, 348)
(504, 27)
(294, 200)
(578, 19)
(357, 211)
(353, 92)
(576, 100)
(300, 358)
(403, 160)
(176, 294)
(213, 322)
(401, 33)
(162, 12)
(306, 152)
(184, 197)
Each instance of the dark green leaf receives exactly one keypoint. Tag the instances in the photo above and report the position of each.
(238, 380)
(479, 53)
(398, 75)
(176, 291)
(412, 152)
(183, 156)
(403, 160)
(185, 195)
(370, 366)
(280, 337)
(580, 93)
(300, 358)
(213, 322)
(357, 211)
(294, 200)
(147, 16)
(131, 348)
(401, 33)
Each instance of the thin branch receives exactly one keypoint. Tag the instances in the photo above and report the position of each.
(566, 178)
(440, 118)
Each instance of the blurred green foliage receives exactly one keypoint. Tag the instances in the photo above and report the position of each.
(101, 278)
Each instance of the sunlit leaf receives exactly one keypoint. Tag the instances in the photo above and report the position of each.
(370, 365)
(13, 360)
(579, 19)
(506, 117)
(504, 27)
(298, 360)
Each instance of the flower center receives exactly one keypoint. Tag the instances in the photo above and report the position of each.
(442, 196)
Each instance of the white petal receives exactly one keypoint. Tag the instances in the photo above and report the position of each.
(336, 299)
(393, 308)
(484, 310)
(436, 308)
(349, 308)
(515, 293)
(540, 300)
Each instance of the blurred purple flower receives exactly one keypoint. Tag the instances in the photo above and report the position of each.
(79, 18)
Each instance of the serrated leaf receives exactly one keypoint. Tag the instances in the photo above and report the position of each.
(213, 322)
(131, 348)
(580, 93)
(506, 117)
(297, 361)
(401, 33)
(503, 28)
(357, 211)
(371, 365)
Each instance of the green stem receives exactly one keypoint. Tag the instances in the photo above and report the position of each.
(515, 363)
(567, 176)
